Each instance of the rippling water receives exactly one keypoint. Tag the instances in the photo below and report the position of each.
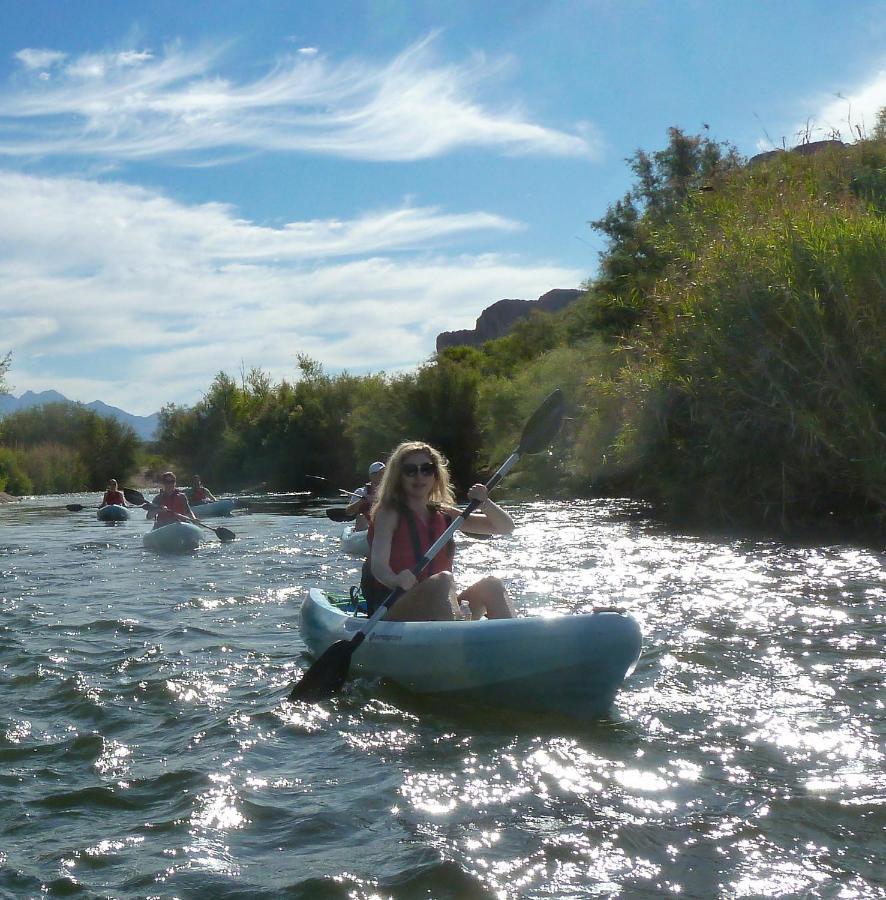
(148, 748)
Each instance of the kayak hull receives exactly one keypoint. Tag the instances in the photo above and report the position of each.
(223, 507)
(177, 537)
(112, 513)
(355, 543)
(565, 664)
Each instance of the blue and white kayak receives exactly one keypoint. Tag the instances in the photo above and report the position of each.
(222, 507)
(113, 512)
(177, 537)
(355, 543)
(567, 664)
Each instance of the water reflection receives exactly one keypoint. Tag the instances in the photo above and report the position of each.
(150, 750)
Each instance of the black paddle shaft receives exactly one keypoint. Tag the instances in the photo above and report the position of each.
(326, 676)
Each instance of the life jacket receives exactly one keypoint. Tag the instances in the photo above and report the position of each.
(412, 539)
(113, 498)
(176, 502)
(198, 495)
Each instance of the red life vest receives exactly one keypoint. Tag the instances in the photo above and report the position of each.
(198, 495)
(113, 498)
(413, 537)
(176, 502)
(411, 540)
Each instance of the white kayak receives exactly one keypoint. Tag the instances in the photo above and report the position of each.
(176, 537)
(113, 512)
(355, 543)
(569, 664)
(222, 507)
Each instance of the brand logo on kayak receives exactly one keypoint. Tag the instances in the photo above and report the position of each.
(385, 637)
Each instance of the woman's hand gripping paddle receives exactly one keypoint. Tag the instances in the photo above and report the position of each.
(328, 673)
(223, 534)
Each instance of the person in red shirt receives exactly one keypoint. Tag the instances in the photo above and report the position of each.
(199, 492)
(415, 505)
(170, 505)
(113, 496)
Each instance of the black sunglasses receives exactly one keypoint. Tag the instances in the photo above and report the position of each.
(410, 470)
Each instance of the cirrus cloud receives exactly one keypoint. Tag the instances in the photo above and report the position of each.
(136, 104)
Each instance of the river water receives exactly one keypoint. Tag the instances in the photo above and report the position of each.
(148, 749)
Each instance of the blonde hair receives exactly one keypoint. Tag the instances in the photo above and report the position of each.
(390, 493)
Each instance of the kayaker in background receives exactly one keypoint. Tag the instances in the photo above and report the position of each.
(413, 508)
(200, 493)
(170, 505)
(363, 498)
(113, 496)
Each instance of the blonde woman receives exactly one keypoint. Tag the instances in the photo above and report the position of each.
(413, 507)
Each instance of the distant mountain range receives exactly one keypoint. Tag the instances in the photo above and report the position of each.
(144, 426)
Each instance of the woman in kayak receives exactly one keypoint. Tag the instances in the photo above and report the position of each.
(170, 505)
(113, 496)
(415, 505)
(199, 492)
(364, 497)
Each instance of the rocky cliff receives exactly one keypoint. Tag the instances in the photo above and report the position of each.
(497, 320)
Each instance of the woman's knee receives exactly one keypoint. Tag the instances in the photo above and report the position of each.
(495, 598)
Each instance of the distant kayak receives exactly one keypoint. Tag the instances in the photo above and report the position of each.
(569, 664)
(112, 513)
(177, 537)
(222, 507)
(355, 543)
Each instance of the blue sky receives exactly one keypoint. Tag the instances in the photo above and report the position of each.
(194, 187)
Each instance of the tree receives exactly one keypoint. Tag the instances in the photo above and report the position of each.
(5, 363)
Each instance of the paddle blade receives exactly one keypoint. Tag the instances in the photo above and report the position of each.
(133, 496)
(338, 514)
(543, 424)
(74, 507)
(326, 676)
(225, 535)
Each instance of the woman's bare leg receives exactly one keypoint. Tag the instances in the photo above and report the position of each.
(432, 600)
(487, 596)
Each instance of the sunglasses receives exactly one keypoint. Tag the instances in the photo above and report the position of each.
(410, 470)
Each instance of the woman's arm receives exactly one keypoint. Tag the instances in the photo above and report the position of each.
(386, 522)
(490, 518)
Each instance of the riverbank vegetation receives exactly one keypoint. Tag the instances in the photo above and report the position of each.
(62, 448)
(727, 364)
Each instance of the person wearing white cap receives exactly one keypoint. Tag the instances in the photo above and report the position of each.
(364, 497)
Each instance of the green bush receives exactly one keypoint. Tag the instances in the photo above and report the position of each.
(759, 394)
(13, 474)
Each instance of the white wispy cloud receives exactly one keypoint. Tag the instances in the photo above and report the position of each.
(845, 113)
(173, 293)
(35, 58)
(856, 109)
(138, 104)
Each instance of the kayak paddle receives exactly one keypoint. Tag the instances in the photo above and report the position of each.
(338, 514)
(78, 507)
(328, 673)
(340, 490)
(138, 498)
